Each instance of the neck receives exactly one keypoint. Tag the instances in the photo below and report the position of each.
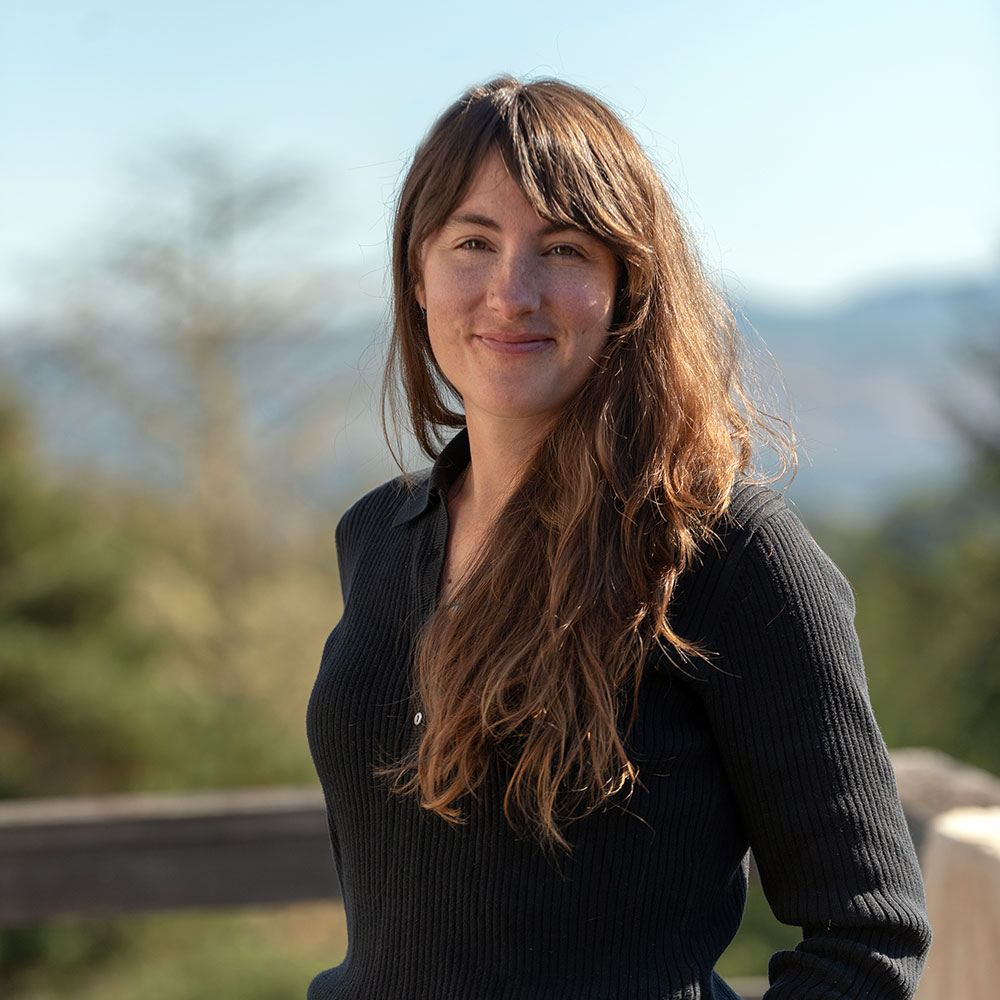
(500, 454)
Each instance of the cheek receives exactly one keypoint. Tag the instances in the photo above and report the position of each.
(591, 306)
(445, 351)
(443, 293)
(586, 289)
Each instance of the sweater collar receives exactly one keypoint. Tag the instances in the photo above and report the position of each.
(437, 481)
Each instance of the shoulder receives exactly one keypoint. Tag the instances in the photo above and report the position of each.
(761, 528)
(383, 505)
(367, 522)
(773, 543)
(751, 504)
(757, 512)
(763, 554)
(771, 611)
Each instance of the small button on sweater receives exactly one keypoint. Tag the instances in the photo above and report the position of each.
(771, 746)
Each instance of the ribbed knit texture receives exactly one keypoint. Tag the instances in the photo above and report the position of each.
(772, 746)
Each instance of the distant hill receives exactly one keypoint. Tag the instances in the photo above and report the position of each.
(868, 381)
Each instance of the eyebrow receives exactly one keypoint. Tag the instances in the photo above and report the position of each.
(475, 219)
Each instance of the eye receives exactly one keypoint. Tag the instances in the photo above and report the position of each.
(473, 243)
(564, 250)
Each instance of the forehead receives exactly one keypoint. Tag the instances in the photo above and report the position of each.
(494, 198)
(491, 182)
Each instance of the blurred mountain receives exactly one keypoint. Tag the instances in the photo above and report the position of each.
(869, 382)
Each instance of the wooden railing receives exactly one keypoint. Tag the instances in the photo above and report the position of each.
(118, 854)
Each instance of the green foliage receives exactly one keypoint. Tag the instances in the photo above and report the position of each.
(168, 641)
(926, 579)
(927, 583)
(74, 709)
(759, 937)
(57, 952)
(268, 955)
(109, 677)
(105, 690)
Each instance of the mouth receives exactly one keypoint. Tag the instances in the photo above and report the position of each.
(504, 343)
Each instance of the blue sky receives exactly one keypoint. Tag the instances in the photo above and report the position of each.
(816, 149)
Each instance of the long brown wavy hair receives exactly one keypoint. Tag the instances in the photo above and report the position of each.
(532, 665)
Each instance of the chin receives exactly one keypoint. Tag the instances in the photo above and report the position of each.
(509, 408)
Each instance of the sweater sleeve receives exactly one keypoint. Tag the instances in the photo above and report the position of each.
(789, 707)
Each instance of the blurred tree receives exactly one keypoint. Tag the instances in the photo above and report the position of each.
(161, 637)
(199, 329)
(74, 711)
(194, 326)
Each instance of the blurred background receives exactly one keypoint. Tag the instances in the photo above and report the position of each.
(193, 230)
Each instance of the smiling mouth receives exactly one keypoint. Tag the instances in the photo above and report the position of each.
(514, 345)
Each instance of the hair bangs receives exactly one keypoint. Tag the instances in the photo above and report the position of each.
(556, 156)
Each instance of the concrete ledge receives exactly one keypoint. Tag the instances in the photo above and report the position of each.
(962, 877)
(931, 783)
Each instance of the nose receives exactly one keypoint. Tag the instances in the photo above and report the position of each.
(515, 286)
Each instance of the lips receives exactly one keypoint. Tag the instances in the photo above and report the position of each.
(508, 343)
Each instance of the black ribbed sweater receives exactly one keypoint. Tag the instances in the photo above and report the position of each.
(772, 746)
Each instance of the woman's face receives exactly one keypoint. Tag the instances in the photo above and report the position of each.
(517, 312)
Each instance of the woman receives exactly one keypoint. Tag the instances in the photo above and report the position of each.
(584, 663)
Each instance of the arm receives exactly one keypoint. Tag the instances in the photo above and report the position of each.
(789, 707)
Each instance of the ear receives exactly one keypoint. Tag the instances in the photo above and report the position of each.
(418, 293)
